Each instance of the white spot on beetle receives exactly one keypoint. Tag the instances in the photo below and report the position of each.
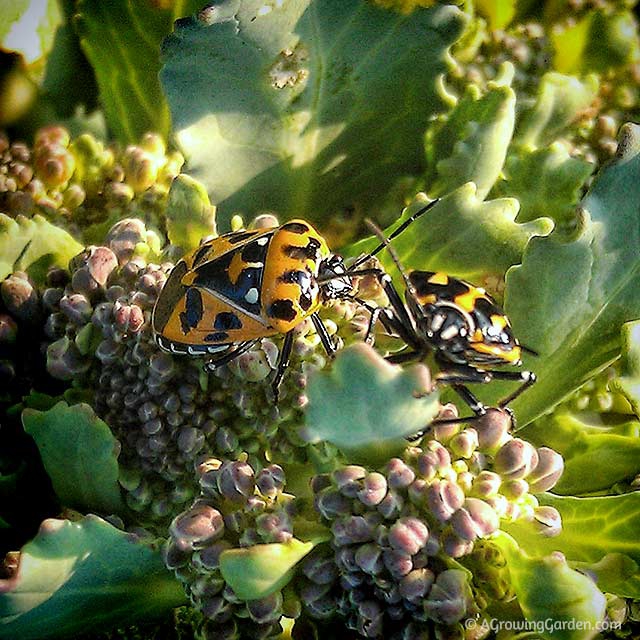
(252, 295)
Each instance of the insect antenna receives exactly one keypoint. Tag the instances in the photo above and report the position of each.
(385, 241)
(529, 350)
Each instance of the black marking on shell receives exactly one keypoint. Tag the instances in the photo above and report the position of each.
(226, 320)
(282, 310)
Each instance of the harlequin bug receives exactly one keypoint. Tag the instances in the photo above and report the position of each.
(220, 299)
(456, 321)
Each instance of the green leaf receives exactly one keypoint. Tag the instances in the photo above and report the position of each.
(598, 41)
(69, 80)
(29, 26)
(462, 236)
(366, 406)
(32, 244)
(122, 39)
(190, 216)
(499, 13)
(79, 576)
(560, 101)
(569, 299)
(469, 144)
(80, 455)
(258, 571)
(545, 181)
(615, 573)
(289, 107)
(596, 456)
(551, 594)
(628, 383)
(592, 529)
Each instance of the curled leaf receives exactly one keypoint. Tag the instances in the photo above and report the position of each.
(552, 595)
(366, 406)
(80, 455)
(78, 575)
(258, 571)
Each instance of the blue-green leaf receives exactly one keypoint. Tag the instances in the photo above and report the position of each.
(304, 107)
(77, 576)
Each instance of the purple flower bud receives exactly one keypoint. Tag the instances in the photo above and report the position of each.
(450, 597)
(352, 580)
(76, 308)
(347, 478)
(454, 546)
(190, 440)
(416, 584)
(198, 527)
(398, 563)
(320, 606)
(270, 480)
(434, 461)
(351, 530)
(486, 484)
(548, 521)
(128, 318)
(235, 481)
(176, 553)
(444, 498)
(547, 472)
(330, 503)
(226, 440)
(399, 474)
(320, 482)
(274, 527)
(64, 360)
(21, 298)
(124, 236)
(493, 430)
(444, 432)
(267, 609)
(464, 443)
(319, 569)
(514, 489)
(216, 608)
(8, 329)
(369, 558)
(345, 558)
(475, 519)
(391, 506)
(418, 491)
(516, 459)
(408, 534)
(370, 619)
(374, 489)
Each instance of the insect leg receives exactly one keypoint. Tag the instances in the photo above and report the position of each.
(283, 363)
(526, 377)
(323, 334)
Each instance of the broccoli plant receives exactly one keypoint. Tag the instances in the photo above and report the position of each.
(367, 501)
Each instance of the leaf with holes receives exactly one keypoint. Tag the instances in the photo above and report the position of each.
(304, 107)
